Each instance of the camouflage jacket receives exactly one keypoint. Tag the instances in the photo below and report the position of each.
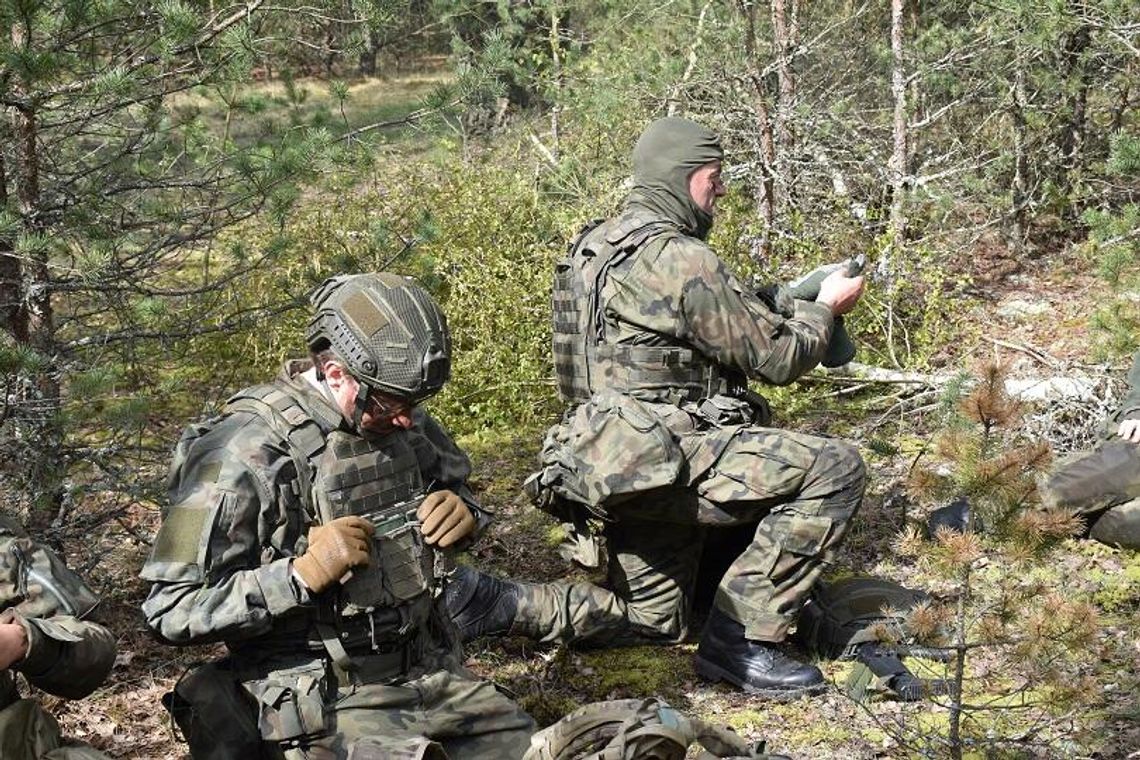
(67, 655)
(221, 566)
(680, 292)
(1130, 406)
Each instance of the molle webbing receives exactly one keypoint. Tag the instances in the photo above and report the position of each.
(583, 361)
(569, 342)
(637, 368)
(375, 482)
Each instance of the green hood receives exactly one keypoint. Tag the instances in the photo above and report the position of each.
(665, 155)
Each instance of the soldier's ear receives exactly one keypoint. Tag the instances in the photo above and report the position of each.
(334, 373)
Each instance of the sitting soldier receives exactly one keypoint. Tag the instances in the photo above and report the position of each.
(302, 531)
(1103, 485)
(45, 636)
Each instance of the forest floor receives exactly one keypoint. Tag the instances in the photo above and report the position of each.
(125, 717)
(1032, 316)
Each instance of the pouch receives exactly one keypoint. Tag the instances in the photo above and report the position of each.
(291, 702)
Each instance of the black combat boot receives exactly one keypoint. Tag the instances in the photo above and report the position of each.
(725, 654)
(480, 604)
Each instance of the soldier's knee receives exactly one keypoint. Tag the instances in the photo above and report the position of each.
(658, 619)
(842, 464)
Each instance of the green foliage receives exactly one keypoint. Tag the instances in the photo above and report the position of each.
(133, 170)
(1113, 245)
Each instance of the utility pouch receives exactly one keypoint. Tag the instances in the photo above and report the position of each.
(721, 410)
(400, 565)
(46, 585)
(214, 714)
(408, 563)
(291, 702)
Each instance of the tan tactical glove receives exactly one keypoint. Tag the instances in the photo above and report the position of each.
(444, 518)
(334, 549)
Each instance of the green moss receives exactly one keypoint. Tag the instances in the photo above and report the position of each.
(547, 707)
(1117, 592)
(633, 672)
(555, 535)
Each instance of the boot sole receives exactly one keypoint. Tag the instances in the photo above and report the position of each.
(713, 672)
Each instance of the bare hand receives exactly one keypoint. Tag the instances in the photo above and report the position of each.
(1130, 430)
(444, 518)
(840, 292)
(13, 644)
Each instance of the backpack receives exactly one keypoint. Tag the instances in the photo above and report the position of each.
(863, 618)
(637, 729)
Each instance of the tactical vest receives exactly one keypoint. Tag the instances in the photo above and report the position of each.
(342, 474)
(583, 361)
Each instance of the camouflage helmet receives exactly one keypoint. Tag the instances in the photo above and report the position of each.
(386, 330)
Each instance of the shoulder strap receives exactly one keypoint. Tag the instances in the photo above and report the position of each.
(627, 237)
(300, 432)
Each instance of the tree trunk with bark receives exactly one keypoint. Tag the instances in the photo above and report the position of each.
(785, 33)
(31, 323)
(898, 167)
(764, 192)
(1019, 191)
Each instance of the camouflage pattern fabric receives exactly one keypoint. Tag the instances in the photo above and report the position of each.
(628, 450)
(221, 571)
(646, 729)
(450, 708)
(1104, 484)
(68, 655)
(802, 489)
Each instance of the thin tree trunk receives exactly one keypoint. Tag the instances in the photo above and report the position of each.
(1019, 192)
(10, 274)
(785, 31)
(556, 71)
(691, 62)
(33, 324)
(957, 681)
(897, 166)
(916, 103)
(765, 191)
(899, 171)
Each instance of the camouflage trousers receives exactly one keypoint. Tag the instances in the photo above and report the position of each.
(310, 709)
(27, 732)
(799, 491)
(1103, 485)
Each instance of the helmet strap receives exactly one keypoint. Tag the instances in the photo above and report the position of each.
(358, 407)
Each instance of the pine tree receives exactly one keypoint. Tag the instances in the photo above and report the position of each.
(996, 608)
(114, 180)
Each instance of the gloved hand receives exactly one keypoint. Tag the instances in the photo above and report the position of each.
(444, 518)
(334, 549)
(1130, 430)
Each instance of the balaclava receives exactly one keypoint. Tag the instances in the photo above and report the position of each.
(665, 155)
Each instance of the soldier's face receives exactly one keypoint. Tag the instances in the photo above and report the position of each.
(705, 186)
(382, 413)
